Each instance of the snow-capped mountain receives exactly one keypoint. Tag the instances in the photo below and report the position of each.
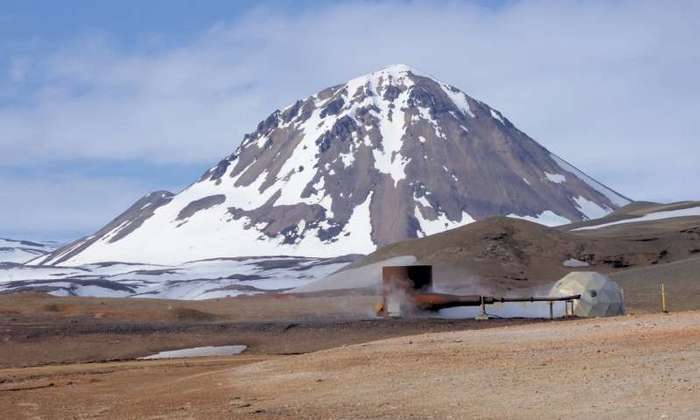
(19, 251)
(388, 156)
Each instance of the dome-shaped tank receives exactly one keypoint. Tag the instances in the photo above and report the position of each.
(600, 296)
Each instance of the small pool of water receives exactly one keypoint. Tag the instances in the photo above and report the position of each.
(197, 352)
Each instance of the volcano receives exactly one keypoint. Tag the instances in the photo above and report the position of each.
(392, 155)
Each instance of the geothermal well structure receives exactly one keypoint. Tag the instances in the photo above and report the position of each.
(408, 290)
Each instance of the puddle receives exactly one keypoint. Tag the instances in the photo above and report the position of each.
(197, 352)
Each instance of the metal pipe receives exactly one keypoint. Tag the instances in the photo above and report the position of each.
(437, 301)
(538, 299)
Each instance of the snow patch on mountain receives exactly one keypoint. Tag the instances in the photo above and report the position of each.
(591, 209)
(20, 251)
(205, 279)
(555, 178)
(459, 99)
(547, 218)
(392, 117)
(659, 215)
(355, 238)
(497, 115)
(440, 224)
(616, 198)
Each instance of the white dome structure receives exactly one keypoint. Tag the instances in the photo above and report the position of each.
(600, 296)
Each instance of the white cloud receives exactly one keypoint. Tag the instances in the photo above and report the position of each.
(610, 86)
(63, 207)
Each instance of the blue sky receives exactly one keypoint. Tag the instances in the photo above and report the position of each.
(102, 102)
(129, 20)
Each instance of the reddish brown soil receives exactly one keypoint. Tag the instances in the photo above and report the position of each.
(642, 366)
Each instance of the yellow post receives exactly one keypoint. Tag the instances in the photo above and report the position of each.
(664, 309)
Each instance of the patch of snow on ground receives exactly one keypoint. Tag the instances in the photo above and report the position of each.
(100, 291)
(18, 255)
(18, 272)
(660, 215)
(20, 251)
(574, 263)
(206, 351)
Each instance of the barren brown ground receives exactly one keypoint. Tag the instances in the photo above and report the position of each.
(38, 329)
(641, 366)
(633, 367)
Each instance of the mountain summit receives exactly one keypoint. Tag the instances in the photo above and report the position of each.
(388, 156)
